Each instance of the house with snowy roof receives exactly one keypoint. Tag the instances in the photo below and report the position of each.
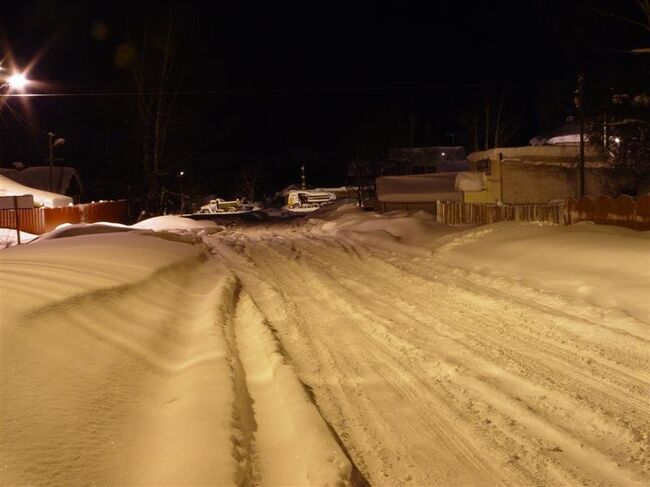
(535, 174)
(60, 180)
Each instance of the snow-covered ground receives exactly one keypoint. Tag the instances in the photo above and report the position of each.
(345, 348)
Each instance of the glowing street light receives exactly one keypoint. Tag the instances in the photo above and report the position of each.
(17, 81)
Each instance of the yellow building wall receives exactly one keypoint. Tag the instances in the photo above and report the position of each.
(492, 191)
(534, 173)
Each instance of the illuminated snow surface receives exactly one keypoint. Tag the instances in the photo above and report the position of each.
(342, 348)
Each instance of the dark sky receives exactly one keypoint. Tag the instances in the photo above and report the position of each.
(279, 83)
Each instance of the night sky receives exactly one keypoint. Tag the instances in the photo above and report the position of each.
(277, 84)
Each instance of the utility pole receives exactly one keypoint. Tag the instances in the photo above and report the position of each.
(579, 102)
(50, 146)
(302, 175)
(180, 190)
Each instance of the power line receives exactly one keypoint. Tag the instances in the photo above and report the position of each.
(359, 89)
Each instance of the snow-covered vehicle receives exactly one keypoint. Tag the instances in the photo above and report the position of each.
(307, 199)
(220, 205)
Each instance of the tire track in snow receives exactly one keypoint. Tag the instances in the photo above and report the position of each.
(293, 443)
(634, 436)
(449, 467)
(371, 272)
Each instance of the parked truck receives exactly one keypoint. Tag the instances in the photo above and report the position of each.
(220, 205)
(308, 199)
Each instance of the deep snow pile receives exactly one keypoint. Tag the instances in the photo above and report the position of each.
(409, 232)
(604, 265)
(173, 222)
(475, 358)
(120, 365)
(175, 353)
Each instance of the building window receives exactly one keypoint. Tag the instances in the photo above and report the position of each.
(484, 165)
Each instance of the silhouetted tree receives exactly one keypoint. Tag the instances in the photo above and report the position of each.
(490, 122)
(158, 56)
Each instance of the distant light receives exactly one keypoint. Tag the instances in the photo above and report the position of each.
(443, 153)
(617, 140)
(17, 81)
(182, 173)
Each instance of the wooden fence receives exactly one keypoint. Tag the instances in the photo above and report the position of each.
(40, 220)
(622, 211)
(460, 213)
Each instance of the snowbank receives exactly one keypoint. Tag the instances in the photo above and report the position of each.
(173, 222)
(122, 352)
(170, 223)
(113, 371)
(78, 229)
(130, 357)
(604, 265)
(470, 181)
(54, 269)
(401, 230)
(9, 187)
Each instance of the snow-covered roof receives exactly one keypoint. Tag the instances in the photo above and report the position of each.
(9, 187)
(539, 153)
(569, 133)
(38, 177)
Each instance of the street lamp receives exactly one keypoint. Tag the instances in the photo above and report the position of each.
(17, 81)
(180, 189)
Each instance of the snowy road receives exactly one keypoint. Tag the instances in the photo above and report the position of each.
(325, 353)
(432, 377)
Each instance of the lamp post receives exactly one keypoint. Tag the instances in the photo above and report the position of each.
(180, 189)
(579, 103)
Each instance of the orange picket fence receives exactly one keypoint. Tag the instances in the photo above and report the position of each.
(622, 211)
(462, 213)
(40, 220)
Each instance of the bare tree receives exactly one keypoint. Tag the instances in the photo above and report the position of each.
(623, 124)
(491, 125)
(249, 179)
(159, 69)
